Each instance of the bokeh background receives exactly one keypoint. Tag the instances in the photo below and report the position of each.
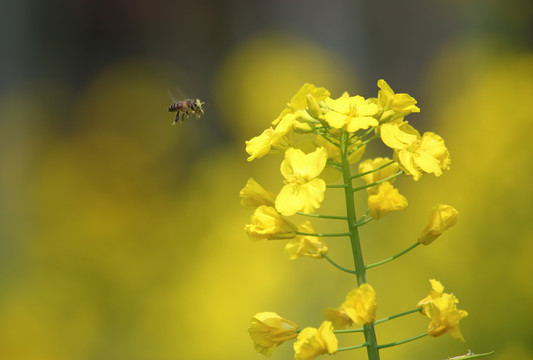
(121, 237)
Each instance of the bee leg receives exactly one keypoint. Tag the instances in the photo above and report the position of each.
(176, 118)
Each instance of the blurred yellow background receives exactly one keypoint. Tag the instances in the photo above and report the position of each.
(122, 237)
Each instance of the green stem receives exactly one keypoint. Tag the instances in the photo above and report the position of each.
(335, 186)
(358, 136)
(337, 265)
(374, 170)
(330, 140)
(352, 347)
(364, 215)
(345, 331)
(367, 220)
(378, 182)
(323, 216)
(393, 257)
(403, 341)
(397, 315)
(322, 235)
(333, 163)
(363, 143)
(368, 330)
(470, 355)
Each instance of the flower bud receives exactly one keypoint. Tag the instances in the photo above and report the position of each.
(313, 108)
(444, 216)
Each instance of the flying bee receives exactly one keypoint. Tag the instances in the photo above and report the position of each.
(185, 108)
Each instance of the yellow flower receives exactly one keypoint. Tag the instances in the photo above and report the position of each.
(387, 199)
(267, 223)
(260, 145)
(313, 342)
(358, 307)
(338, 318)
(254, 195)
(445, 317)
(299, 102)
(371, 164)
(268, 330)
(437, 289)
(441, 308)
(394, 105)
(444, 216)
(303, 190)
(306, 245)
(353, 112)
(416, 154)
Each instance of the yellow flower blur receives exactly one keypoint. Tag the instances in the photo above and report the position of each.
(306, 245)
(268, 330)
(371, 164)
(254, 195)
(312, 342)
(353, 112)
(441, 308)
(443, 217)
(267, 223)
(303, 190)
(387, 199)
(416, 154)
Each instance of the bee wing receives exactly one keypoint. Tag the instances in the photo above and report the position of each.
(170, 95)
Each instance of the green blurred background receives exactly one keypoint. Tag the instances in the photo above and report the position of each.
(121, 237)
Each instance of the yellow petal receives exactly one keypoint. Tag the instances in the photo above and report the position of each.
(335, 119)
(290, 199)
(254, 195)
(386, 200)
(360, 305)
(361, 122)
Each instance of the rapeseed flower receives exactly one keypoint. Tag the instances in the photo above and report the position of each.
(352, 112)
(359, 307)
(299, 102)
(268, 330)
(441, 308)
(387, 199)
(275, 138)
(312, 342)
(268, 224)
(303, 190)
(437, 289)
(416, 154)
(394, 106)
(254, 195)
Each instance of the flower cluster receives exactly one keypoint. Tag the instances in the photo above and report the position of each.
(335, 134)
(268, 329)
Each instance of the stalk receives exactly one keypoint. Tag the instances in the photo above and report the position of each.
(368, 330)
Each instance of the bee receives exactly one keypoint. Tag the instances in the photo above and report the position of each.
(185, 108)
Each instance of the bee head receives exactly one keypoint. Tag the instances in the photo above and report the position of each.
(198, 104)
